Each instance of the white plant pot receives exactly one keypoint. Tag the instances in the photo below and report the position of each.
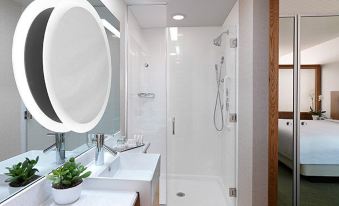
(315, 117)
(67, 196)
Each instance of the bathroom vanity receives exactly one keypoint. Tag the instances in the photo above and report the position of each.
(102, 197)
(127, 179)
(129, 172)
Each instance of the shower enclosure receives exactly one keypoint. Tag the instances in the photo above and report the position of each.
(189, 113)
(201, 102)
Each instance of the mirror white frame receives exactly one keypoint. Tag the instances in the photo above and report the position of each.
(45, 91)
(19, 68)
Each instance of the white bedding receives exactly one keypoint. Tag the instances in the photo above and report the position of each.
(319, 141)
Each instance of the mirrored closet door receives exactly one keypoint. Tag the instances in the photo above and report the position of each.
(308, 172)
(319, 99)
(285, 105)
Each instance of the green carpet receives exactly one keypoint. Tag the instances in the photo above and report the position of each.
(311, 194)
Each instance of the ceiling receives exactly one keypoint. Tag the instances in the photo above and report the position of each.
(314, 30)
(197, 12)
(26, 2)
(150, 16)
(313, 7)
(315, 35)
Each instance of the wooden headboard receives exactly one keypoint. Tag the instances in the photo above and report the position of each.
(317, 90)
(334, 104)
(289, 115)
(317, 80)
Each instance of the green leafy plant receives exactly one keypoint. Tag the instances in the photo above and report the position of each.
(23, 173)
(69, 175)
(318, 113)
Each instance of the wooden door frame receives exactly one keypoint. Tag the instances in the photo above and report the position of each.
(273, 102)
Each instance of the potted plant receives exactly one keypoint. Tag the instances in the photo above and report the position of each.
(67, 181)
(316, 115)
(23, 173)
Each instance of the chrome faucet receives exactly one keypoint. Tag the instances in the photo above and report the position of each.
(59, 146)
(100, 148)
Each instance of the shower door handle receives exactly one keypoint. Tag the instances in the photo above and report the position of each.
(173, 126)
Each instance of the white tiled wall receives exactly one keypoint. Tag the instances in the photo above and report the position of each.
(148, 116)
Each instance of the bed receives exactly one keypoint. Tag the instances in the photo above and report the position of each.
(319, 146)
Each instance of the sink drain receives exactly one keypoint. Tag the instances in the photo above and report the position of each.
(181, 194)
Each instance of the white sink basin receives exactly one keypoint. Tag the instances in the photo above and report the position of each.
(137, 172)
(132, 166)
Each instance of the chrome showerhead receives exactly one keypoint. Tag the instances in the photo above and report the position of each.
(217, 41)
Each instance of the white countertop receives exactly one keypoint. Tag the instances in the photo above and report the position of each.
(101, 198)
(93, 195)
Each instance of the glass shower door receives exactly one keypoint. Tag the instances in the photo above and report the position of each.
(201, 160)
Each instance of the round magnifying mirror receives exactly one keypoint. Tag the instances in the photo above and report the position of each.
(62, 64)
(28, 66)
(77, 64)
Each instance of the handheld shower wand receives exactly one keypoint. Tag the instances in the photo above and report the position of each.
(218, 102)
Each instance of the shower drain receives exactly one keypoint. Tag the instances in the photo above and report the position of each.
(181, 194)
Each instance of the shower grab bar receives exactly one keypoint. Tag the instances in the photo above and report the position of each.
(146, 95)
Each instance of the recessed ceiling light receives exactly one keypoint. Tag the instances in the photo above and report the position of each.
(178, 17)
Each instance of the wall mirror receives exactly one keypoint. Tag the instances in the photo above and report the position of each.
(286, 110)
(21, 135)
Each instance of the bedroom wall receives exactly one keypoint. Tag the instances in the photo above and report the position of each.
(318, 54)
(330, 74)
(330, 67)
(286, 89)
